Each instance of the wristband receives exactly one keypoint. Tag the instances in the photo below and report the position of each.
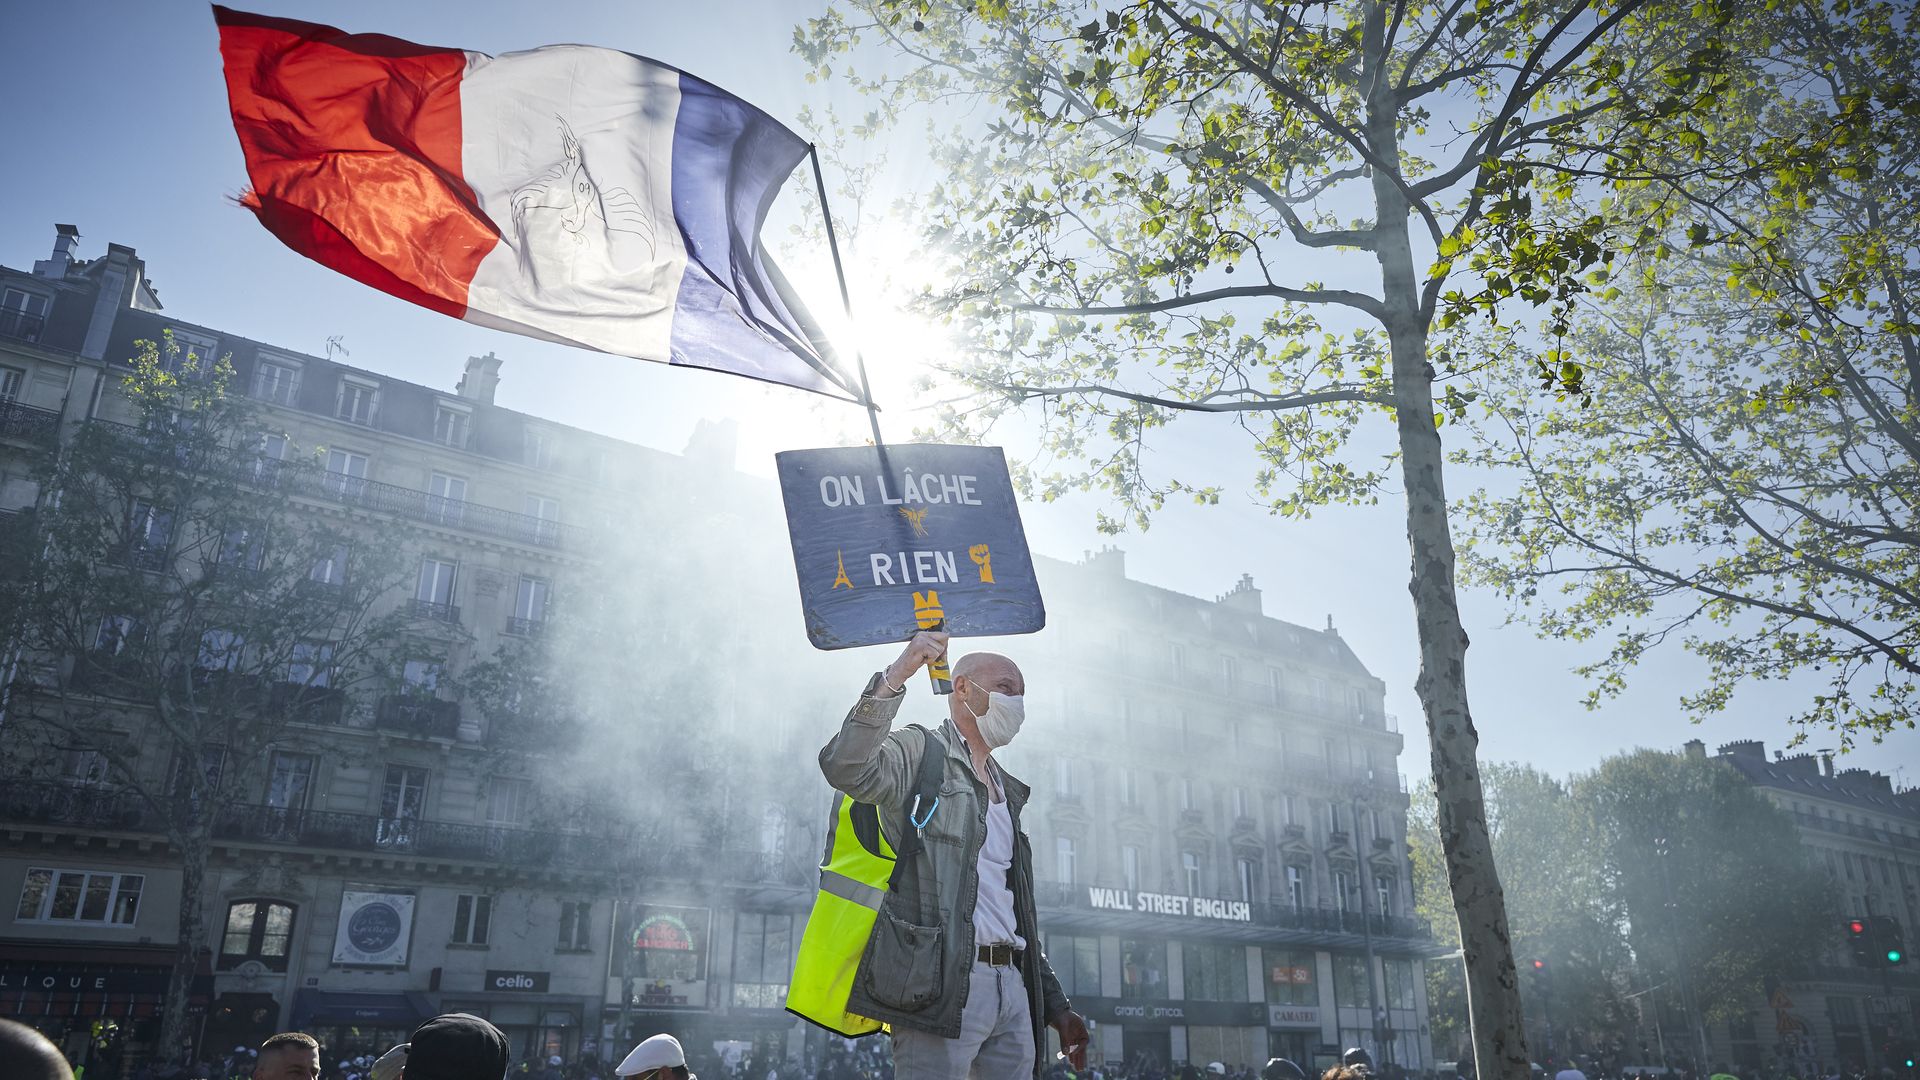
(894, 689)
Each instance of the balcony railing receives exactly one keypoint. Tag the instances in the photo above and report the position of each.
(389, 498)
(434, 610)
(419, 716)
(96, 807)
(26, 422)
(22, 325)
(432, 509)
(520, 627)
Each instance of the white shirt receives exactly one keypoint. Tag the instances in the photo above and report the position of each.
(993, 920)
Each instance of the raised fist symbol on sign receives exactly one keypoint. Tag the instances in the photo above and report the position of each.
(982, 558)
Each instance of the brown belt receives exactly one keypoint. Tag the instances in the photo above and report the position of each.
(1001, 955)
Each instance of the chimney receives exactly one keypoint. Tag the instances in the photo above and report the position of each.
(1243, 596)
(1330, 630)
(122, 287)
(65, 239)
(1745, 748)
(1826, 766)
(1110, 559)
(1695, 750)
(481, 379)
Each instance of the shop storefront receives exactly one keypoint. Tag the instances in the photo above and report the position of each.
(1160, 1032)
(350, 1024)
(538, 1025)
(100, 1006)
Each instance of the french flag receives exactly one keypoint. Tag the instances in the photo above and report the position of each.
(574, 194)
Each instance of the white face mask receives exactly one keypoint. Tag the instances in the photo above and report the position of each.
(1001, 722)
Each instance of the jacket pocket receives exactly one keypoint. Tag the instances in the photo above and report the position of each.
(905, 963)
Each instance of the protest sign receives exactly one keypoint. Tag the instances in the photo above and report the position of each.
(887, 540)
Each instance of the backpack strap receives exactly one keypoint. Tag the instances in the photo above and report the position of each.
(928, 778)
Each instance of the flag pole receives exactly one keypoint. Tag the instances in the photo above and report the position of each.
(846, 301)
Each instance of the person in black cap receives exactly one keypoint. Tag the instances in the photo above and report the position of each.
(1358, 1058)
(456, 1046)
(1282, 1069)
(25, 1054)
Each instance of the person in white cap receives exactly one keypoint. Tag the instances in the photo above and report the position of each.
(658, 1058)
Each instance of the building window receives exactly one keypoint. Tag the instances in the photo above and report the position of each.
(11, 379)
(536, 448)
(289, 779)
(402, 799)
(1382, 896)
(1214, 972)
(1130, 867)
(1246, 874)
(451, 425)
(773, 832)
(1179, 656)
(1290, 977)
(1296, 889)
(329, 565)
(1190, 869)
(1349, 980)
(149, 532)
(276, 381)
(576, 924)
(80, 896)
(1342, 890)
(545, 513)
(446, 499)
(1240, 802)
(243, 547)
(23, 314)
(1276, 685)
(1063, 776)
(1186, 793)
(529, 607)
(1143, 968)
(220, 650)
(1063, 859)
(507, 800)
(433, 593)
(260, 930)
(357, 401)
(1129, 787)
(191, 356)
(311, 664)
(1398, 982)
(346, 474)
(472, 916)
(1076, 963)
(762, 957)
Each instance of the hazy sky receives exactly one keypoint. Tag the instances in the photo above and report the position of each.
(119, 126)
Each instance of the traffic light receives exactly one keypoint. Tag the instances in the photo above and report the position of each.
(1860, 941)
(1892, 940)
(1539, 965)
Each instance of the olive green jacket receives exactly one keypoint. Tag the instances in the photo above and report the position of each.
(916, 965)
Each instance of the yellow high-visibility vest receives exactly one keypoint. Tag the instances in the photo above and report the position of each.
(852, 885)
(854, 878)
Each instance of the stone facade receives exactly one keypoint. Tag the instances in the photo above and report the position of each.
(1218, 822)
(1866, 836)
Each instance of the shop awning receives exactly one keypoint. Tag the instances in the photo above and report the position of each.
(322, 1007)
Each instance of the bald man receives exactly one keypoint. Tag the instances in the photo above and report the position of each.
(25, 1054)
(954, 962)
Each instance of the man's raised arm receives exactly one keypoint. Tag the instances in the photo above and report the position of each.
(862, 760)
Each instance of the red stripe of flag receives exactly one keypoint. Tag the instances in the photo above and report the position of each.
(352, 144)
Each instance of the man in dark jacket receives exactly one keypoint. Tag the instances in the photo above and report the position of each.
(954, 962)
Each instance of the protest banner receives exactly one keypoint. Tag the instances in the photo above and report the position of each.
(890, 540)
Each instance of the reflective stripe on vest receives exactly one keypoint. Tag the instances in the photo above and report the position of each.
(853, 883)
